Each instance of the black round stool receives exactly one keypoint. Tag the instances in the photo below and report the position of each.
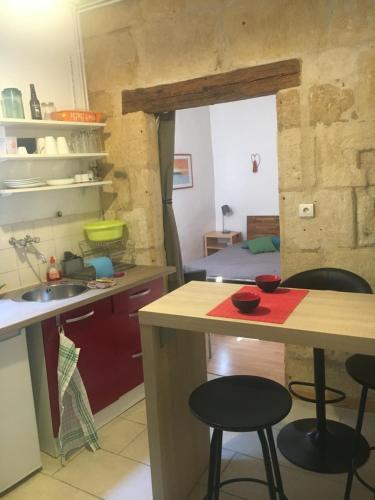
(242, 403)
(362, 369)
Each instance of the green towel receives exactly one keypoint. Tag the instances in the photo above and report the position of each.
(77, 426)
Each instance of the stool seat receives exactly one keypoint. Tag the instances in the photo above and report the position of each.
(361, 368)
(240, 403)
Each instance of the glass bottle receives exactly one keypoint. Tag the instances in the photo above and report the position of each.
(36, 112)
(12, 103)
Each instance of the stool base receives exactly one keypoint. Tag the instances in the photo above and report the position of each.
(302, 445)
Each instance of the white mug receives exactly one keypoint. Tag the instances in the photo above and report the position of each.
(41, 145)
(21, 150)
(85, 178)
(62, 146)
(50, 145)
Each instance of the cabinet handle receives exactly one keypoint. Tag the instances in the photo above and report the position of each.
(133, 315)
(137, 355)
(80, 318)
(140, 294)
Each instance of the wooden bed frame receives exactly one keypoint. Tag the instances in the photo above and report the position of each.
(262, 225)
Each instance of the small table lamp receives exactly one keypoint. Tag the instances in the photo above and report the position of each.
(226, 210)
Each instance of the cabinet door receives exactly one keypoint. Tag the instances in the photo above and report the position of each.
(126, 325)
(89, 327)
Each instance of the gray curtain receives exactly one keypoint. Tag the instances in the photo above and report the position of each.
(166, 122)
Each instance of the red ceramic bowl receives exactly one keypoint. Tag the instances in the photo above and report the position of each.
(268, 282)
(245, 301)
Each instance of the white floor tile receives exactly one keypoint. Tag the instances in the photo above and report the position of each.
(138, 449)
(108, 476)
(136, 413)
(43, 487)
(50, 464)
(116, 435)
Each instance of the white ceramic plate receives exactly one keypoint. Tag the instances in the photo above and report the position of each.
(60, 182)
(19, 186)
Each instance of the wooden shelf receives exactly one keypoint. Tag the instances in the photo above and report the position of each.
(14, 123)
(8, 192)
(34, 157)
(216, 240)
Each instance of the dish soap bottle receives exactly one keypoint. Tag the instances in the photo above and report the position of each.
(53, 272)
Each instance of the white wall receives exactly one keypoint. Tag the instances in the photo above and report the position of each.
(39, 43)
(194, 207)
(238, 130)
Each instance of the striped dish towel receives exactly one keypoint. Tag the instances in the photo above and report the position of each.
(77, 427)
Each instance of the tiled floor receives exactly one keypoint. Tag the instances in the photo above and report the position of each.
(120, 470)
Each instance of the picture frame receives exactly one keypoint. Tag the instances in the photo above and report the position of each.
(182, 171)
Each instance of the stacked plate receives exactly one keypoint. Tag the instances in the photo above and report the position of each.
(24, 183)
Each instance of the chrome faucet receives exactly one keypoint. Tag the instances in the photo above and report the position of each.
(27, 245)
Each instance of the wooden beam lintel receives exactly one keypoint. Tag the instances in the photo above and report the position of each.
(234, 85)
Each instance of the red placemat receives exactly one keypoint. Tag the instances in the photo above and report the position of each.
(274, 307)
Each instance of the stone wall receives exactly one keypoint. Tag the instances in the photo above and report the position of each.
(326, 126)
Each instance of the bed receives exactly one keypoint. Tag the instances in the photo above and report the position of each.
(235, 263)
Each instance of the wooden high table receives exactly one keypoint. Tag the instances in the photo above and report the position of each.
(174, 362)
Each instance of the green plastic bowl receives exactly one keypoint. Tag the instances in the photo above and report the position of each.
(104, 230)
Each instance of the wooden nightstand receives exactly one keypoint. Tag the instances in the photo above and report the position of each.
(216, 240)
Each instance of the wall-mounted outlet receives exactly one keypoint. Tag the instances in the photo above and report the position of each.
(306, 210)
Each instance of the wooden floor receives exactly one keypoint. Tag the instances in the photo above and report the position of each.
(241, 356)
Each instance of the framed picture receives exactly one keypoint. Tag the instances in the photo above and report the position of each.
(182, 171)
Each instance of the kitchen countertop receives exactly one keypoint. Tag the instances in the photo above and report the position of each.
(16, 313)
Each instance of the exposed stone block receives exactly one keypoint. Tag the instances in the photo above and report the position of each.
(337, 149)
(366, 90)
(288, 109)
(357, 260)
(332, 226)
(289, 159)
(366, 216)
(328, 103)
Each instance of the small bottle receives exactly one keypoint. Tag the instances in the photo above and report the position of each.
(53, 272)
(36, 112)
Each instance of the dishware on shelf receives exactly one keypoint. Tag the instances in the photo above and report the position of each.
(62, 146)
(268, 282)
(74, 115)
(50, 147)
(21, 150)
(60, 182)
(103, 266)
(11, 145)
(47, 109)
(40, 145)
(28, 142)
(12, 104)
(24, 183)
(245, 301)
(106, 230)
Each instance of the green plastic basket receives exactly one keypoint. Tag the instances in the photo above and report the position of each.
(104, 230)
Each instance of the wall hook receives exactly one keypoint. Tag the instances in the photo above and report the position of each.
(255, 161)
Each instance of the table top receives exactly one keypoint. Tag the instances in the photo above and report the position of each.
(331, 320)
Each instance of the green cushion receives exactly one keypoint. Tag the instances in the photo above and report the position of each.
(261, 245)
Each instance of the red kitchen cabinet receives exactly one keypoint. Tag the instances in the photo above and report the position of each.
(126, 326)
(90, 329)
(108, 335)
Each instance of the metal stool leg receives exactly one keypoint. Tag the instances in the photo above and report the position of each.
(213, 487)
(358, 429)
(268, 465)
(275, 464)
